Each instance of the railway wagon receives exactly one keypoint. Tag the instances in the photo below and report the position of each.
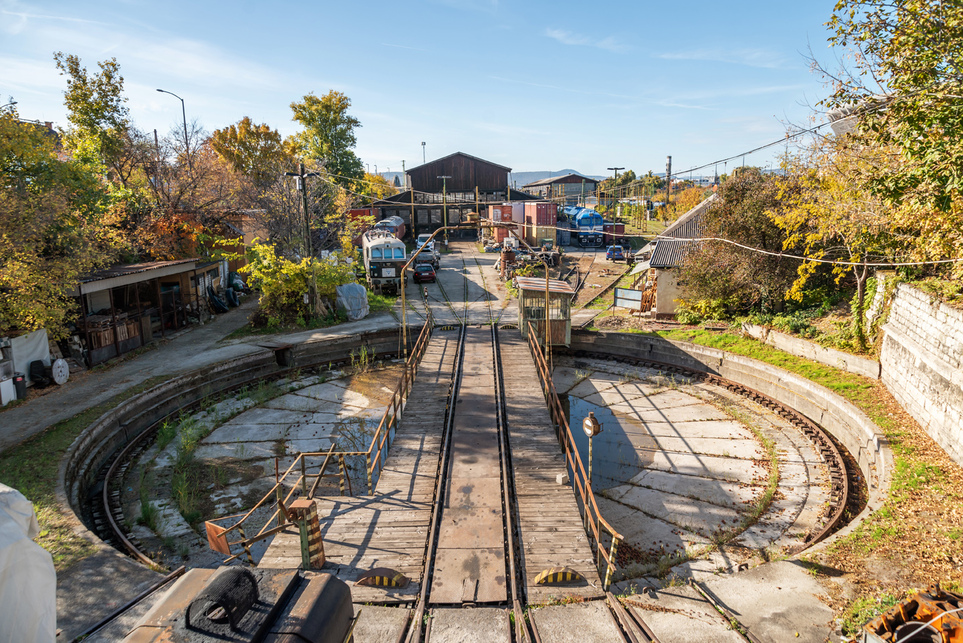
(384, 255)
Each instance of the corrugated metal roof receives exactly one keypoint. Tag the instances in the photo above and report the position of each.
(468, 156)
(555, 179)
(554, 285)
(130, 269)
(677, 240)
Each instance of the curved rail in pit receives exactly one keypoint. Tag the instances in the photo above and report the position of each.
(840, 474)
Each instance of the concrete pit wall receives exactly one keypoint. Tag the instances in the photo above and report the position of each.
(850, 426)
(118, 427)
(922, 360)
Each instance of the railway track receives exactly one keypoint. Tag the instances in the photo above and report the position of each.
(442, 589)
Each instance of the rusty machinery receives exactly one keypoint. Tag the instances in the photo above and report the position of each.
(250, 606)
(930, 616)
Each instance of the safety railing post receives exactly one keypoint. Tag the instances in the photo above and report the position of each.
(611, 566)
(367, 466)
(304, 476)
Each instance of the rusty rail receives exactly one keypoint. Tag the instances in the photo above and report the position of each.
(294, 482)
(595, 524)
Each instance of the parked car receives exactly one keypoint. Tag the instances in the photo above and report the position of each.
(422, 240)
(429, 257)
(424, 272)
(614, 253)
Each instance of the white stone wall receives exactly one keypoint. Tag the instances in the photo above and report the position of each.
(922, 364)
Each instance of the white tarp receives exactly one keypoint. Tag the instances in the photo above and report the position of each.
(28, 348)
(353, 299)
(28, 582)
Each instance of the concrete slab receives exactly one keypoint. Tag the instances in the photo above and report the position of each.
(735, 495)
(650, 537)
(575, 623)
(266, 415)
(776, 602)
(681, 615)
(242, 432)
(692, 515)
(327, 392)
(708, 466)
(478, 625)
(377, 624)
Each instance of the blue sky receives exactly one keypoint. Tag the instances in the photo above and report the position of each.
(533, 85)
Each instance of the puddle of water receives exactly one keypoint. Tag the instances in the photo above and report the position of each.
(615, 459)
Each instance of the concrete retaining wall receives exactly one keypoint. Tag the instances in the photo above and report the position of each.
(116, 428)
(802, 348)
(850, 426)
(922, 358)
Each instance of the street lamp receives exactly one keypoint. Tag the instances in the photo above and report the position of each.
(592, 428)
(423, 152)
(187, 148)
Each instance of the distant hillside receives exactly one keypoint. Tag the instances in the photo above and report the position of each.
(524, 178)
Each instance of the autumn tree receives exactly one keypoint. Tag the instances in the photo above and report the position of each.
(374, 187)
(255, 151)
(55, 216)
(328, 136)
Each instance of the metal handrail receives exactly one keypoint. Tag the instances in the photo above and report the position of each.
(297, 476)
(592, 517)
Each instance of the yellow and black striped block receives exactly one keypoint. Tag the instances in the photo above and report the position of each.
(558, 576)
(383, 577)
(307, 510)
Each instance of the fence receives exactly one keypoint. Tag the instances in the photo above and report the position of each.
(303, 483)
(596, 526)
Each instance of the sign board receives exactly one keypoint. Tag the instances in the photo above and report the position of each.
(628, 298)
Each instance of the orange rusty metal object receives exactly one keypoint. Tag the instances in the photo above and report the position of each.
(933, 615)
(216, 538)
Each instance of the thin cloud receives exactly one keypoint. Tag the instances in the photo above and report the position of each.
(579, 40)
(15, 21)
(388, 44)
(485, 6)
(760, 58)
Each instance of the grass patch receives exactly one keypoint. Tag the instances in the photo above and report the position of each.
(380, 303)
(865, 609)
(313, 323)
(32, 468)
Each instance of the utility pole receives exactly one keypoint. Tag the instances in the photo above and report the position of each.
(307, 249)
(668, 181)
(444, 203)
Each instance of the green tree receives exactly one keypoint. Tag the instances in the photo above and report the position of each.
(905, 87)
(96, 110)
(328, 136)
(741, 279)
(55, 218)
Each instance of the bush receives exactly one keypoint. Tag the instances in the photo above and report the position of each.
(694, 312)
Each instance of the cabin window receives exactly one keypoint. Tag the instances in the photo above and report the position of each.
(399, 253)
(376, 253)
